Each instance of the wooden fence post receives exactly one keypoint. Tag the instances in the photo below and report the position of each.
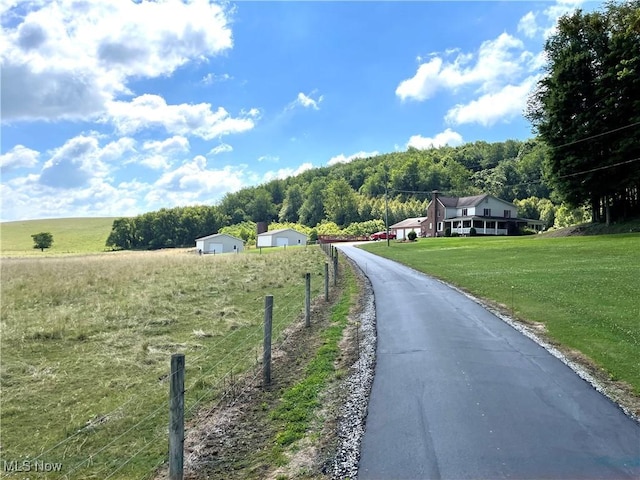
(326, 281)
(266, 355)
(176, 418)
(335, 270)
(307, 300)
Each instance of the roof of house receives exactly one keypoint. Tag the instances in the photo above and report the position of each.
(214, 235)
(280, 230)
(457, 202)
(409, 223)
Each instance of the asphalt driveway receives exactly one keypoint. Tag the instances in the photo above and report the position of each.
(459, 394)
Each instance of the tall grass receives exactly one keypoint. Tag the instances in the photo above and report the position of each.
(86, 343)
(585, 290)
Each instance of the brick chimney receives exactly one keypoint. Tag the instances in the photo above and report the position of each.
(433, 214)
(261, 227)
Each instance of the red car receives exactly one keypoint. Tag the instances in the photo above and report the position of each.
(382, 236)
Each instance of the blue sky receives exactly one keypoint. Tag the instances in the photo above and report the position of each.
(114, 108)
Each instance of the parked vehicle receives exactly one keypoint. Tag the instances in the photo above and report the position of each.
(382, 236)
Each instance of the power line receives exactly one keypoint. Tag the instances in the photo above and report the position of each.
(597, 135)
(600, 168)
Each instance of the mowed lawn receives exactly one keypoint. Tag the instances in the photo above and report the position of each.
(87, 340)
(70, 235)
(585, 290)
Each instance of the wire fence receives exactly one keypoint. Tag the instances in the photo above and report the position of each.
(212, 378)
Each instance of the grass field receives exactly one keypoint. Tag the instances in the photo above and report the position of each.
(585, 290)
(70, 235)
(86, 343)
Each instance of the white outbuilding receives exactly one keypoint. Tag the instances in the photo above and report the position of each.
(402, 229)
(281, 238)
(219, 243)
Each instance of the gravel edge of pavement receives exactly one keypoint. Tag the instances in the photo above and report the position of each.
(353, 413)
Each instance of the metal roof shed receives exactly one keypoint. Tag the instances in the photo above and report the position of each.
(219, 243)
(402, 229)
(281, 238)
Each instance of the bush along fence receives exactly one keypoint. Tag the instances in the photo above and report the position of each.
(187, 395)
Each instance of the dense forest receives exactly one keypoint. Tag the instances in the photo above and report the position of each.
(350, 198)
(584, 163)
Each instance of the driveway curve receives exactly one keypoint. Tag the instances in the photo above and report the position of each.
(459, 394)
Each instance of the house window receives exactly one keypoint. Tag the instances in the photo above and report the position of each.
(464, 212)
(439, 213)
(430, 225)
(440, 226)
(487, 212)
(507, 214)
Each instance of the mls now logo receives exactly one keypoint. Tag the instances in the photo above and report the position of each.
(30, 466)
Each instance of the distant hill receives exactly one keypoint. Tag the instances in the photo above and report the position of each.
(70, 235)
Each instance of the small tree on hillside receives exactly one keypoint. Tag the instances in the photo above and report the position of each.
(42, 240)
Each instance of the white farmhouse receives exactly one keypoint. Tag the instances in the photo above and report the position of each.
(219, 243)
(281, 238)
(487, 214)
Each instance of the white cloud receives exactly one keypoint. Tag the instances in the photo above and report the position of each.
(222, 148)
(543, 24)
(175, 144)
(490, 108)
(528, 25)
(344, 159)
(148, 111)
(192, 182)
(74, 165)
(448, 137)
(115, 151)
(561, 7)
(18, 157)
(306, 101)
(155, 162)
(95, 198)
(286, 172)
(66, 59)
(496, 62)
(211, 78)
(423, 84)
(269, 158)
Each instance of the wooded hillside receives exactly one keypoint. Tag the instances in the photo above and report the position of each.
(353, 194)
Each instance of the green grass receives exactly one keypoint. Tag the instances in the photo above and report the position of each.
(584, 289)
(70, 235)
(86, 344)
(299, 403)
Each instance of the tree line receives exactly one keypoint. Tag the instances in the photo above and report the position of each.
(353, 198)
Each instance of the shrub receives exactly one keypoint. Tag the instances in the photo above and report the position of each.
(447, 232)
(412, 236)
(455, 234)
(472, 232)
